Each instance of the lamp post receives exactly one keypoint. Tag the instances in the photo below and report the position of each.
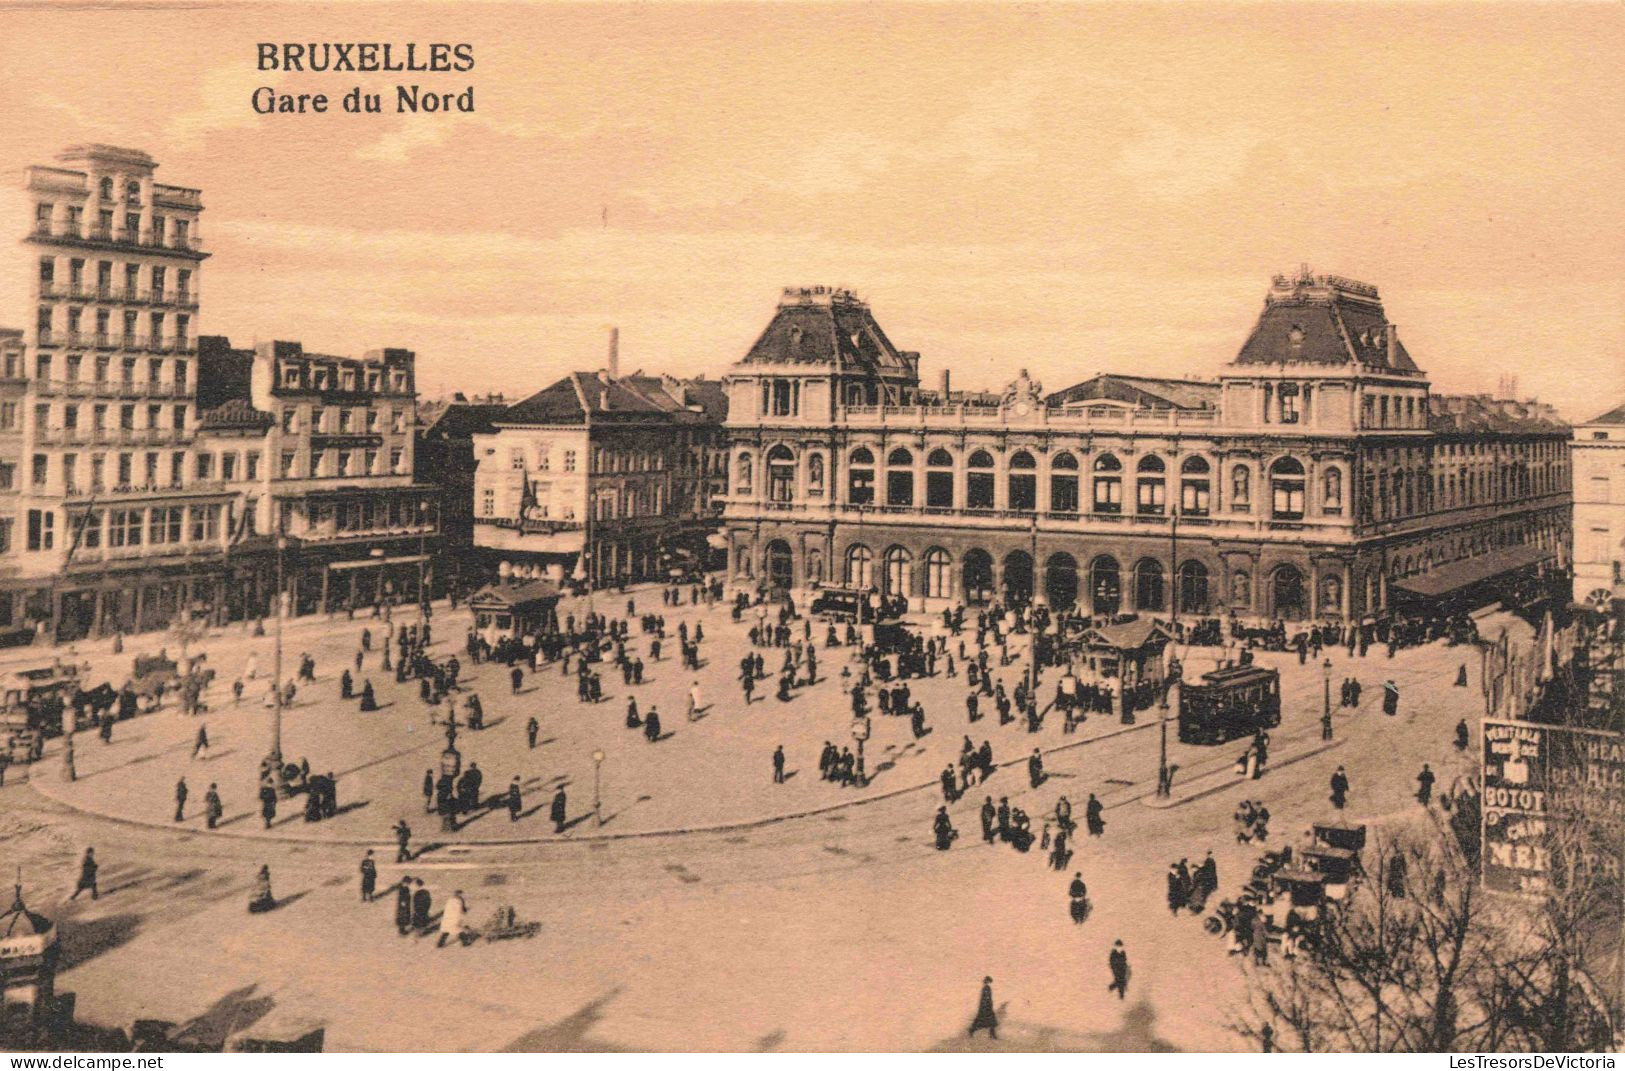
(423, 559)
(278, 780)
(597, 788)
(860, 733)
(1326, 710)
(1170, 702)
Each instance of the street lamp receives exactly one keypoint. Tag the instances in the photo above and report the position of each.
(597, 787)
(1326, 715)
(860, 733)
(278, 780)
(1170, 703)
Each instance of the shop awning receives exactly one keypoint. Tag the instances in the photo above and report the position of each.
(1453, 576)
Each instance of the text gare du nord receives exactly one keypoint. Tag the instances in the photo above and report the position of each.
(364, 57)
(408, 98)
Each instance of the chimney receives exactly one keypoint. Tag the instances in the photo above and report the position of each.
(615, 353)
(945, 383)
(1393, 345)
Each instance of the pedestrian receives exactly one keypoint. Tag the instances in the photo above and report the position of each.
(428, 791)
(1340, 788)
(986, 1017)
(1390, 698)
(267, 804)
(347, 684)
(369, 877)
(778, 765)
(651, 726)
(451, 919)
(517, 678)
(1424, 785)
(422, 905)
(950, 784)
(1326, 725)
(1078, 892)
(200, 745)
(1092, 816)
(515, 799)
(403, 840)
(1035, 768)
(1118, 962)
(989, 814)
(105, 727)
(180, 799)
(559, 810)
(1176, 891)
(694, 701)
(369, 699)
(533, 729)
(403, 901)
(263, 901)
(944, 829)
(212, 809)
(87, 875)
(1462, 736)
(1003, 815)
(1461, 675)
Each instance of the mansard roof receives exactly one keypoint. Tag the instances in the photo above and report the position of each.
(1324, 320)
(830, 328)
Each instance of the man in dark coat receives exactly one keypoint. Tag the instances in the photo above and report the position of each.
(1176, 890)
(267, 804)
(533, 729)
(403, 903)
(1424, 785)
(87, 875)
(428, 791)
(559, 810)
(180, 800)
(950, 784)
(986, 1017)
(1003, 814)
(651, 725)
(1340, 788)
(989, 815)
(517, 678)
(346, 685)
(1390, 698)
(1207, 878)
(1462, 736)
(212, 809)
(1035, 768)
(422, 904)
(369, 877)
(369, 699)
(778, 765)
(1118, 962)
(1092, 816)
(515, 800)
(403, 840)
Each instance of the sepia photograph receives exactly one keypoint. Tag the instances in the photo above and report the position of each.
(828, 527)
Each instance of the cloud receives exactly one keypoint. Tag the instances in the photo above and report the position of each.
(1178, 162)
(224, 101)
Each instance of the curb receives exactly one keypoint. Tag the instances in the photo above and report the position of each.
(510, 842)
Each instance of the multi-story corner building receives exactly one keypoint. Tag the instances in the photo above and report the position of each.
(1316, 477)
(1599, 508)
(331, 471)
(600, 477)
(113, 527)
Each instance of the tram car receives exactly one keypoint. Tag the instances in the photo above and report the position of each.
(1228, 703)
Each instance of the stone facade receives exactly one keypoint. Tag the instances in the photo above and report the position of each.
(1316, 477)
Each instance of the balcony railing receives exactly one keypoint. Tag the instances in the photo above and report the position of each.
(975, 415)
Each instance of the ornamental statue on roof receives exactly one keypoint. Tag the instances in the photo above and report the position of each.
(1024, 395)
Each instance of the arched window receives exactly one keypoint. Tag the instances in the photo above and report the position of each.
(860, 478)
(899, 478)
(1148, 593)
(1063, 483)
(1241, 488)
(1023, 481)
(1108, 485)
(1151, 489)
(815, 474)
(781, 474)
(1287, 601)
(1193, 595)
(1331, 491)
(860, 567)
(1195, 492)
(979, 481)
(742, 475)
(1105, 585)
(1061, 581)
(939, 480)
(938, 574)
(1286, 489)
(899, 573)
(977, 577)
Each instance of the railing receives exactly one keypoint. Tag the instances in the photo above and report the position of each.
(962, 415)
(531, 526)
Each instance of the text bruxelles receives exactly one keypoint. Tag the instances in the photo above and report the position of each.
(364, 57)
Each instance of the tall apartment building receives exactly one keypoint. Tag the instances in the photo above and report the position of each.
(600, 477)
(1599, 508)
(1316, 477)
(319, 451)
(109, 523)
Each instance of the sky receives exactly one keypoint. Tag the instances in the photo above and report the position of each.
(1068, 189)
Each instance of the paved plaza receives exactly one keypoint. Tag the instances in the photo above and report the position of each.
(712, 908)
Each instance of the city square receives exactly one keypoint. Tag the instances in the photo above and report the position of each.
(699, 849)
